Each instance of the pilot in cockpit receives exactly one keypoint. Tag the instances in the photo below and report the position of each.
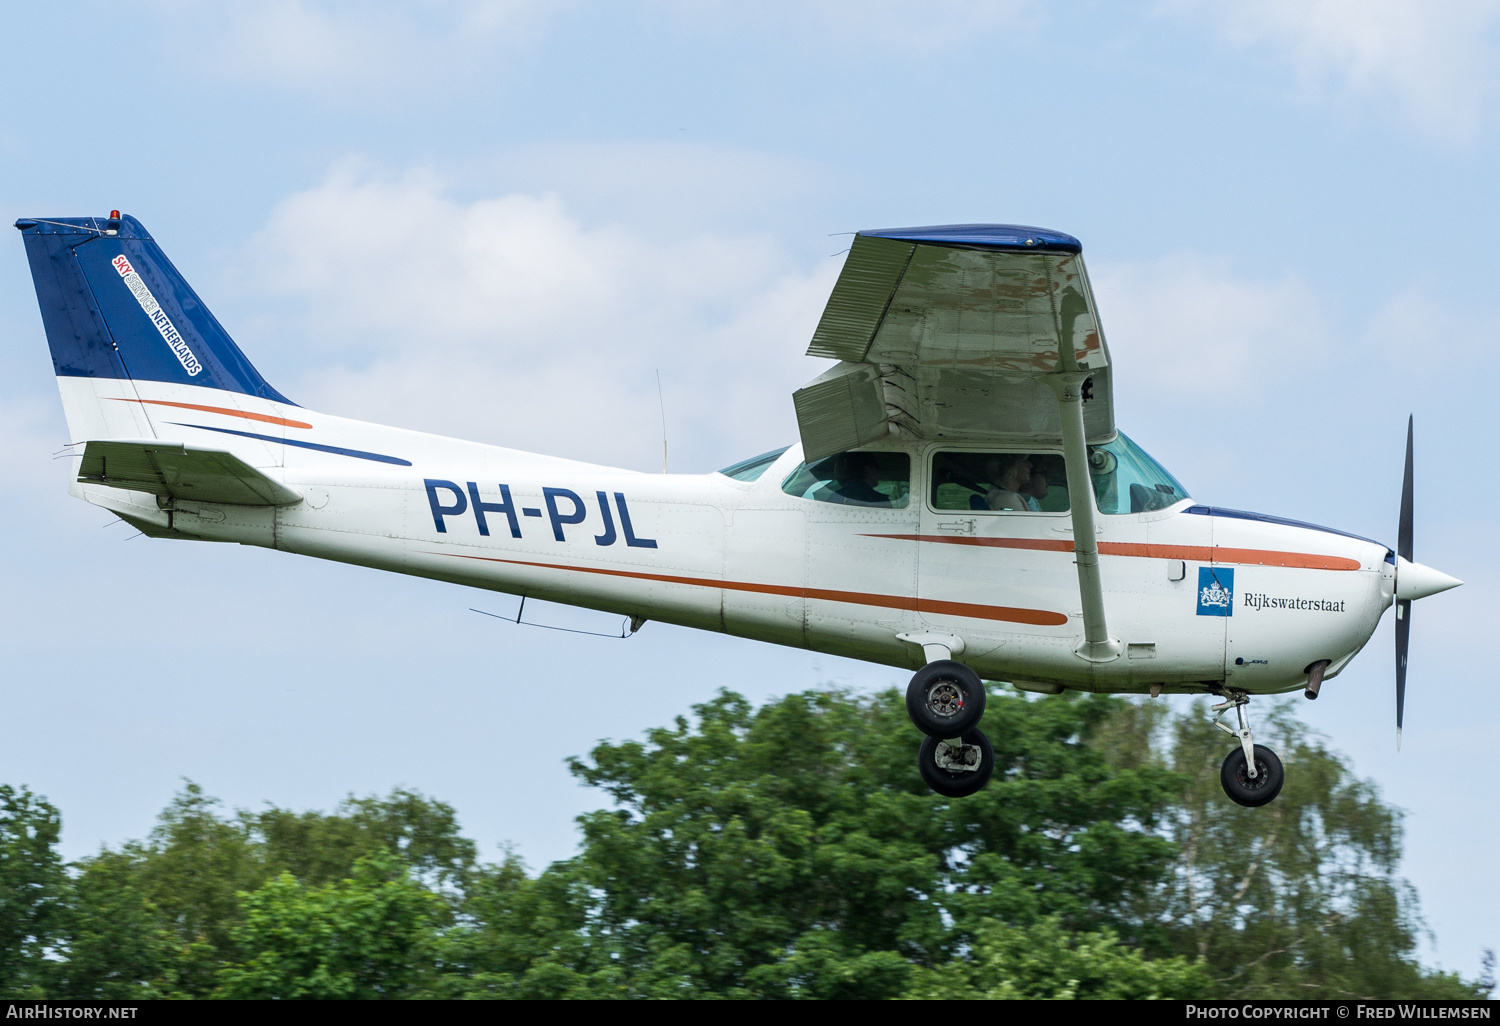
(856, 476)
(1009, 475)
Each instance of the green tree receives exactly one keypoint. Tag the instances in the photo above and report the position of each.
(318, 848)
(519, 937)
(161, 918)
(1046, 961)
(789, 851)
(367, 936)
(31, 885)
(793, 851)
(1299, 898)
(118, 945)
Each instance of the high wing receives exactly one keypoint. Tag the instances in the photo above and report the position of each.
(947, 332)
(172, 470)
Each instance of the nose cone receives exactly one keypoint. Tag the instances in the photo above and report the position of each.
(1414, 581)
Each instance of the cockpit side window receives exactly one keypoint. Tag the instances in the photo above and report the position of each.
(751, 469)
(877, 479)
(1016, 482)
(1127, 480)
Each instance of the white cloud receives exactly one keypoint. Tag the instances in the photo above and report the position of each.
(518, 319)
(1435, 60)
(1419, 338)
(1265, 393)
(512, 320)
(1221, 375)
(671, 186)
(1188, 322)
(346, 50)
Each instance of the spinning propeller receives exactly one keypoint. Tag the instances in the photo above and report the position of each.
(1413, 581)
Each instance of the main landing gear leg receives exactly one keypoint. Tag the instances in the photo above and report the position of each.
(945, 701)
(1252, 773)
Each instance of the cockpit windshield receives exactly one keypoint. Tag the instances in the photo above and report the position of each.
(1127, 480)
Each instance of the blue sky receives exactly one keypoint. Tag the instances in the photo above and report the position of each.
(501, 220)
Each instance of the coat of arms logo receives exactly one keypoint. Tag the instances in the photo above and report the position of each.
(1215, 591)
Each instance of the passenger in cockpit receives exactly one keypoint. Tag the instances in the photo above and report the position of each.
(1008, 474)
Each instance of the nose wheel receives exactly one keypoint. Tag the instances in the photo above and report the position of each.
(945, 701)
(1252, 774)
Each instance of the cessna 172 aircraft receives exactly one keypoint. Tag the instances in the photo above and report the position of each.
(960, 502)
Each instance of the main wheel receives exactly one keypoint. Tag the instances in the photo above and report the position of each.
(1248, 791)
(957, 774)
(945, 699)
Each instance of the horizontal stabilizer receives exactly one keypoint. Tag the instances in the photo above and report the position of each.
(171, 470)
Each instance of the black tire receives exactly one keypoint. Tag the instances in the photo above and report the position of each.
(945, 699)
(1243, 790)
(948, 782)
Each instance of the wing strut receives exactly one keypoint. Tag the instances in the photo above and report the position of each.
(1067, 385)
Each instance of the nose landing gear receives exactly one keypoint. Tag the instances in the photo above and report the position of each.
(1252, 773)
(945, 701)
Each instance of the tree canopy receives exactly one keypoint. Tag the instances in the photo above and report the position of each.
(790, 851)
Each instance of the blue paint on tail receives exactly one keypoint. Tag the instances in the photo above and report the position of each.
(115, 307)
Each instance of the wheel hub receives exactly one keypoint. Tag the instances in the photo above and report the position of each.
(945, 699)
(1244, 779)
(957, 760)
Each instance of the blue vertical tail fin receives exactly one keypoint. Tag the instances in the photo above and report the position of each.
(114, 307)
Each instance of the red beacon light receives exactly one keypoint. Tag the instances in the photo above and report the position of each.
(113, 227)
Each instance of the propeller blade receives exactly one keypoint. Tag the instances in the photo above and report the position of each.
(1403, 532)
(1403, 607)
(1403, 636)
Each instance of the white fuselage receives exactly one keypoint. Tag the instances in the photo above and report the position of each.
(747, 559)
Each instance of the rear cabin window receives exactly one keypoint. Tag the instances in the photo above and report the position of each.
(877, 479)
(999, 482)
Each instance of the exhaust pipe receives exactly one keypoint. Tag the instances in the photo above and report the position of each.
(1315, 679)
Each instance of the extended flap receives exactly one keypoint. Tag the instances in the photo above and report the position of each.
(841, 409)
(176, 471)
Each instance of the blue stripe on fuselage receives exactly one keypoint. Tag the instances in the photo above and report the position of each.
(336, 450)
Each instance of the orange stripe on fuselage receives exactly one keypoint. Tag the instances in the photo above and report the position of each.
(263, 417)
(1009, 614)
(1192, 553)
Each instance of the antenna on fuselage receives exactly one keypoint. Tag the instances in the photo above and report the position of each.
(663, 404)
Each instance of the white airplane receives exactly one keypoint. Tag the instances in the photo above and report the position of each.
(960, 504)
